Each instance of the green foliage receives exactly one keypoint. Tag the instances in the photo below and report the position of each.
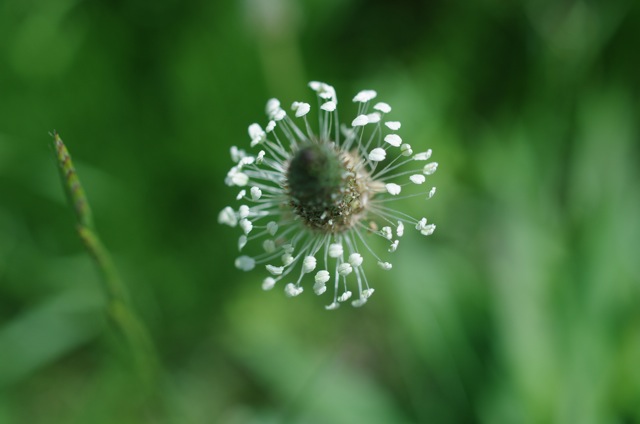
(521, 308)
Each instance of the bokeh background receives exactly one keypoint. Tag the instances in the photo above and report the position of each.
(523, 307)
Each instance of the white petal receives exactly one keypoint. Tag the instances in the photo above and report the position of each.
(360, 121)
(355, 259)
(322, 277)
(385, 265)
(345, 269)
(393, 189)
(382, 107)
(364, 96)
(377, 155)
(335, 250)
(227, 216)
(256, 193)
(417, 178)
(308, 264)
(423, 156)
(430, 168)
(393, 125)
(268, 283)
(245, 263)
(393, 139)
(329, 106)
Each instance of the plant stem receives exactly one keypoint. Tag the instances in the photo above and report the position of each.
(119, 310)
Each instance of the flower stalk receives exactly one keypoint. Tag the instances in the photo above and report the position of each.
(119, 309)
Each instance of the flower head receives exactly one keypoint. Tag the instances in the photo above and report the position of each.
(313, 197)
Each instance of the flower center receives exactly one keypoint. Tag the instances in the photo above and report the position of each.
(324, 190)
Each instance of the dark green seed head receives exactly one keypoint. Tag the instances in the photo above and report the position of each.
(322, 189)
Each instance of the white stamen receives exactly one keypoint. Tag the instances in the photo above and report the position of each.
(385, 265)
(256, 193)
(322, 276)
(423, 155)
(333, 306)
(393, 189)
(246, 225)
(345, 269)
(272, 228)
(268, 283)
(270, 126)
(393, 139)
(269, 246)
(394, 246)
(355, 259)
(360, 121)
(301, 108)
(382, 107)
(417, 178)
(432, 192)
(328, 106)
(373, 117)
(308, 264)
(430, 168)
(245, 263)
(275, 270)
(406, 150)
(291, 290)
(228, 217)
(393, 125)
(358, 302)
(335, 250)
(344, 296)
(243, 211)
(364, 96)
(377, 155)
(242, 242)
(400, 229)
(319, 288)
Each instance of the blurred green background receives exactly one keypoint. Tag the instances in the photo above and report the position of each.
(523, 307)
